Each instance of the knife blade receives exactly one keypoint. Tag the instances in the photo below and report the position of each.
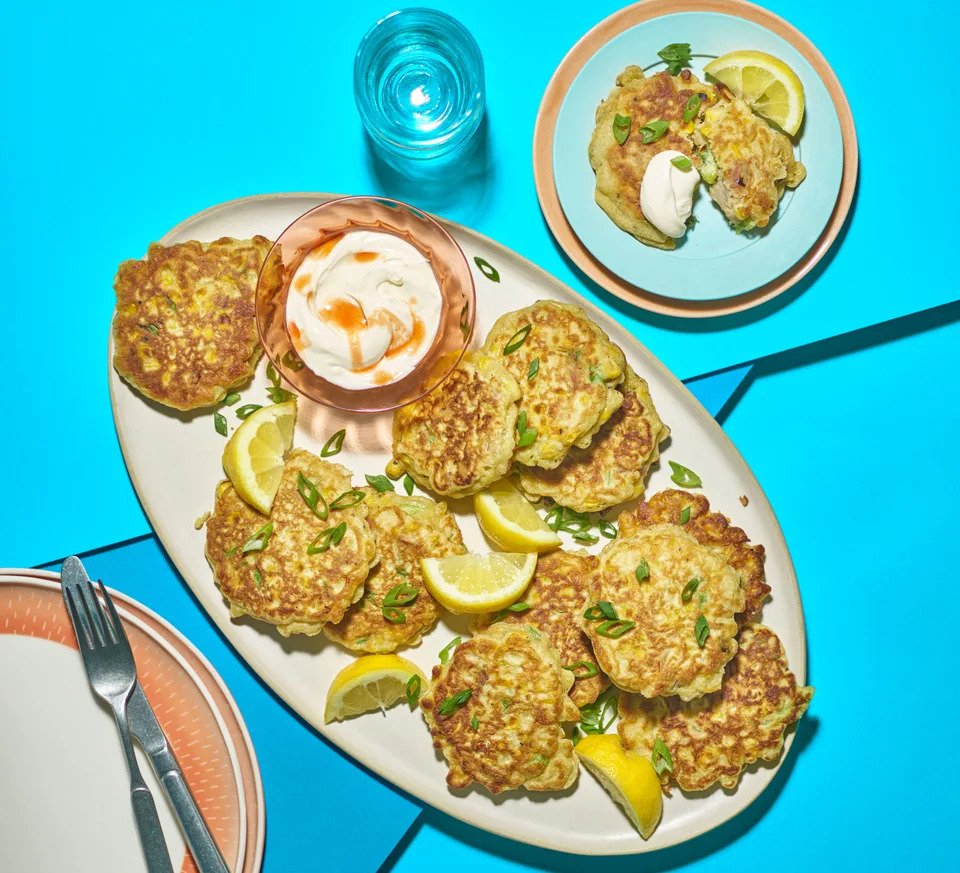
(145, 727)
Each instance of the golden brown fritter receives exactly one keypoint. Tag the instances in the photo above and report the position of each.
(283, 584)
(614, 468)
(661, 654)
(184, 327)
(710, 529)
(620, 168)
(407, 529)
(571, 391)
(508, 731)
(755, 163)
(459, 438)
(556, 596)
(712, 739)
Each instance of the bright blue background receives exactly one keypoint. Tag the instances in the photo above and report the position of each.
(118, 120)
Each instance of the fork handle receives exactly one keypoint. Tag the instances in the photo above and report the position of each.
(151, 837)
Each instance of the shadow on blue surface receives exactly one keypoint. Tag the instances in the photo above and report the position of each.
(721, 322)
(665, 859)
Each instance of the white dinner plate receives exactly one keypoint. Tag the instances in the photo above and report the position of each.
(174, 462)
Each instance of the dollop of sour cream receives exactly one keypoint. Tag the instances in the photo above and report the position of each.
(666, 193)
(363, 309)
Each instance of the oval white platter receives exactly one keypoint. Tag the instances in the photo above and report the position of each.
(174, 463)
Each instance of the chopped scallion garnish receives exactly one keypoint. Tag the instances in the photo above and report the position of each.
(333, 445)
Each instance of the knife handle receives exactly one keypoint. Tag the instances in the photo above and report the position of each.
(148, 824)
(204, 849)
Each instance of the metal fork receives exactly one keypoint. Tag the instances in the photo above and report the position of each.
(112, 674)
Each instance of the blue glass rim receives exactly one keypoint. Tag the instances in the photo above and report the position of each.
(462, 39)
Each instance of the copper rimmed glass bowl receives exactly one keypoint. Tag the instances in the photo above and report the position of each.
(341, 216)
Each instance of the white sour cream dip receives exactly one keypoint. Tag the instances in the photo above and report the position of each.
(666, 193)
(363, 309)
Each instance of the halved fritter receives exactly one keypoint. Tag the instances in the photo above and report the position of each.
(754, 162)
(570, 392)
(460, 437)
(712, 739)
(282, 583)
(645, 578)
(620, 168)
(614, 468)
(710, 529)
(555, 596)
(496, 709)
(406, 529)
(184, 327)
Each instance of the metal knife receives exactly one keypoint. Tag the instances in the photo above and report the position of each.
(146, 728)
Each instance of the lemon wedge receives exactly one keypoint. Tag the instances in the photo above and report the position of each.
(766, 83)
(370, 683)
(627, 777)
(507, 517)
(478, 583)
(253, 456)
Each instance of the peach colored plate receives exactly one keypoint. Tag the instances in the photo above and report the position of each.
(546, 128)
(62, 757)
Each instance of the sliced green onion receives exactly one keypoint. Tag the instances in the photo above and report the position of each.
(643, 570)
(601, 609)
(311, 496)
(615, 629)
(272, 374)
(608, 529)
(621, 128)
(452, 704)
(151, 328)
(258, 542)
(517, 340)
(691, 109)
(514, 607)
(291, 361)
(347, 499)
(527, 437)
(533, 369)
(379, 483)
(280, 395)
(676, 55)
(329, 537)
(413, 690)
(448, 648)
(575, 525)
(408, 484)
(702, 631)
(596, 717)
(688, 589)
(684, 476)
(475, 723)
(487, 269)
(681, 162)
(585, 538)
(220, 423)
(231, 398)
(554, 518)
(244, 412)
(505, 703)
(232, 551)
(257, 578)
(653, 130)
(333, 445)
(394, 615)
(591, 669)
(661, 757)
(685, 515)
(401, 595)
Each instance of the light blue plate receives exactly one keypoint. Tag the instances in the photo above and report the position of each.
(712, 262)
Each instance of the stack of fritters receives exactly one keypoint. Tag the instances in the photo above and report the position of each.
(184, 327)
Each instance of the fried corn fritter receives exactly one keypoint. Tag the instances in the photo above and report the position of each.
(555, 596)
(645, 578)
(614, 468)
(282, 583)
(620, 168)
(712, 739)
(184, 327)
(710, 529)
(754, 163)
(496, 709)
(406, 529)
(570, 391)
(460, 437)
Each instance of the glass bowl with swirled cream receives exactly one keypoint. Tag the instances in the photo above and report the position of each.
(365, 304)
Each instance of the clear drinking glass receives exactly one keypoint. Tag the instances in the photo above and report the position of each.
(418, 84)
